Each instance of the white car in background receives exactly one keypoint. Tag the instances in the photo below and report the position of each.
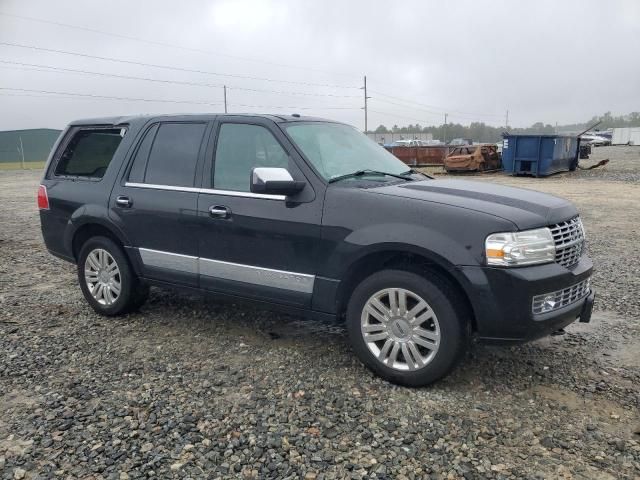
(411, 143)
(594, 140)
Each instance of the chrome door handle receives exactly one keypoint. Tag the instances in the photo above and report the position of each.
(123, 201)
(218, 211)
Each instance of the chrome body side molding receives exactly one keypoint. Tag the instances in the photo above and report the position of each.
(266, 277)
(170, 261)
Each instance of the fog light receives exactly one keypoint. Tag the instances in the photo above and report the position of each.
(548, 303)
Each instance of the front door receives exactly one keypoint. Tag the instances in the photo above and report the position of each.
(156, 202)
(255, 245)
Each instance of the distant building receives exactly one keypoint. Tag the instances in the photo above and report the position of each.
(37, 144)
(386, 138)
(626, 136)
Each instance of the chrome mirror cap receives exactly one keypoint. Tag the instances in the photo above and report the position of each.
(275, 181)
(261, 175)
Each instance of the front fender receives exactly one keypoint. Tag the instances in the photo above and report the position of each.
(411, 238)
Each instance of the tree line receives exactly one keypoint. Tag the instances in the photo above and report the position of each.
(481, 132)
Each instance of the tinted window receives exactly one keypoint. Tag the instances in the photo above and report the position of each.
(89, 152)
(241, 148)
(174, 154)
(142, 155)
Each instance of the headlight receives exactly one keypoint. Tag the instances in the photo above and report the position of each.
(520, 248)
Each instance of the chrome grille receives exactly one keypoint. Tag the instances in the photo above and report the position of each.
(569, 239)
(549, 302)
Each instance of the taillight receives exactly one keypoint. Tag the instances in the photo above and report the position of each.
(43, 199)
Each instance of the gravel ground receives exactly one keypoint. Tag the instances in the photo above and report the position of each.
(191, 388)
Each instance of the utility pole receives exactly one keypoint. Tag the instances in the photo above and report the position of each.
(21, 153)
(445, 127)
(225, 99)
(506, 120)
(366, 127)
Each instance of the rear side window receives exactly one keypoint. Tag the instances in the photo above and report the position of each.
(142, 155)
(174, 154)
(89, 152)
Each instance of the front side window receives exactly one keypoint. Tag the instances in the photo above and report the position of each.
(335, 149)
(89, 152)
(240, 149)
(174, 155)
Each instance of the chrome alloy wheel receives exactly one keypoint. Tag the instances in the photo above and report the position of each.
(400, 329)
(102, 275)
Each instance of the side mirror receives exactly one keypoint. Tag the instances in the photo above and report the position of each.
(274, 181)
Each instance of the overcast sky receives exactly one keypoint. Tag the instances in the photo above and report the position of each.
(549, 61)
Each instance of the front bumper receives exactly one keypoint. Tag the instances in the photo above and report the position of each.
(502, 299)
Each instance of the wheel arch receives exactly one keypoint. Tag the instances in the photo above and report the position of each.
(402, 257)
(90, 229)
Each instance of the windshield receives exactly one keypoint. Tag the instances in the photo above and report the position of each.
(463, 151)
(336, 150)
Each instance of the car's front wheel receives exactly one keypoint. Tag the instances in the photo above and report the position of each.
(406, 327)
(106, 278)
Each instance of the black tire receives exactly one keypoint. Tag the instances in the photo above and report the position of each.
(441, 297)
(133, 293)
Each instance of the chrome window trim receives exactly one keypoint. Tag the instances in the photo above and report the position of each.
(232, 193)
(211, 191)
(162, 187)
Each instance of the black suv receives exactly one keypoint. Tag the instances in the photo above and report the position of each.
(312, 216)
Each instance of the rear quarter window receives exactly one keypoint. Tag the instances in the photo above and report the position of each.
(89, 152)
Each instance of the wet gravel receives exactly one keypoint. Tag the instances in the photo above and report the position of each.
(192, 388)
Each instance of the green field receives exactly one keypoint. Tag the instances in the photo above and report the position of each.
(18, 165)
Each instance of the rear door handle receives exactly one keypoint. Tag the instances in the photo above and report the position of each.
(218, 211)
(122, 201)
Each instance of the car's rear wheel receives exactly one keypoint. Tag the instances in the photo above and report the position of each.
(107, 281)
(405, 327)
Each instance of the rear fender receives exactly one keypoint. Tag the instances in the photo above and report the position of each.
(95, 215)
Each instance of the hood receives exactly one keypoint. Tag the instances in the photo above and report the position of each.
(525, 208)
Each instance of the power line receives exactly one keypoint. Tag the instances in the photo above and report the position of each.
(90, 95)
(441, 110)
(165, 44)
(430, 112)
(168, 67)
(398, 116)
(294, 107)
(176, 82)
(5, 94)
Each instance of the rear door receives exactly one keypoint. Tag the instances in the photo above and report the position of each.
(156, 201)
(265, 247)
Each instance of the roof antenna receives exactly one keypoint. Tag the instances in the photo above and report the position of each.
(296, 115)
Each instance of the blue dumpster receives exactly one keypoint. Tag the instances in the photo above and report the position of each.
(539, 155)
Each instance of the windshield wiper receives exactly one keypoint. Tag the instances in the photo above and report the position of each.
(359, 173)
(411, 171)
